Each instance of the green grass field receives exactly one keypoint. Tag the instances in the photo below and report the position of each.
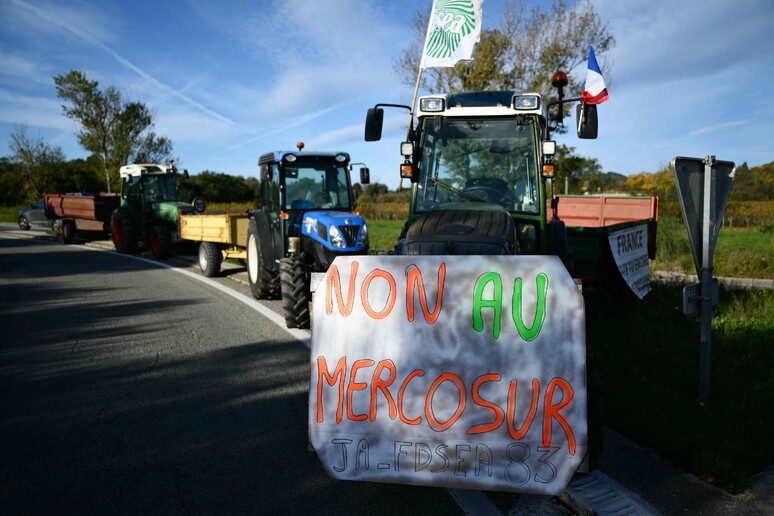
(648, 356)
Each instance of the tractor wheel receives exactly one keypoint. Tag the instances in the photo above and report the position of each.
(209, 259)
(124, 233)
(295, 291)
(161, 242)
(24, 224)
(66, 233)
(264, 284)
(595, 409)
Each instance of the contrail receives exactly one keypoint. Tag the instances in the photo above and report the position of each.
(94, 41)
(299, 121)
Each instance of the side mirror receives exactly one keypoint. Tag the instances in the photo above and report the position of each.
(265, 173)
(365, 176)
(373, 124)
(586, 121)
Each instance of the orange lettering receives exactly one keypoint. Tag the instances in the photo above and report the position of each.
(552, 412)
(521, 432)
(337, 376)
(379, 384)
(356, 386)
(414, 282)
(402, 391)
(334, 285)
(434, 423)
(498, 412)
(378, 273)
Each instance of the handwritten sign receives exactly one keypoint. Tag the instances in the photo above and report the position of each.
(454, 371)
(630, 251)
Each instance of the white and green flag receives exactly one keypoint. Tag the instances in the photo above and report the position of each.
(453, 31)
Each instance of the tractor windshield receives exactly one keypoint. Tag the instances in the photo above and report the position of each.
(488, 160)
(316, 183)
(159, 188)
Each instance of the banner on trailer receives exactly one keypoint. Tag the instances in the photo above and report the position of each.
(453, 371)
(630, 251)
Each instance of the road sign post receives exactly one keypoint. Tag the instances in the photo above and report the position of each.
(703, 187)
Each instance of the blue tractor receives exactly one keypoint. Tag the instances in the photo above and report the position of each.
(306, 220)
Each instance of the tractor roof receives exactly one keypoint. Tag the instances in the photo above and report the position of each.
(482, 103)
(144, 169)
(277, 156)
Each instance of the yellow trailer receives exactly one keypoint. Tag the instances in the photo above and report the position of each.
(221, 236)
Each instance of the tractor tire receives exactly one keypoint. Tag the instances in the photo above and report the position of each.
(295, 291)
(66, 233)
(210, 258)
(24, 224)
(595, 409)
(125, 236)
(160, 242)
(264, 284)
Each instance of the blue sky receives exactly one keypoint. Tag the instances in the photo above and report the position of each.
(229, 80)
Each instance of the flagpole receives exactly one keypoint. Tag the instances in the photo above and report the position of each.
(411, 114)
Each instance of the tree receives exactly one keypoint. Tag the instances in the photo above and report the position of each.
(661, 184)
(35, 157)
(112, 128)
(575, 174)
(217, 187)
(13, 186)
(522, 53)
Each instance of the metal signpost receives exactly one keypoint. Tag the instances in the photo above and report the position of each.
(703, 186)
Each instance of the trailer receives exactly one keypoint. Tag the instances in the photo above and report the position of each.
(73, 212)
(590, 220)
(221, 237)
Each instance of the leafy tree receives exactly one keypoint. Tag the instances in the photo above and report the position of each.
(522, 53)
(753, 184)
(661, 183)
(575, 174)
(113, 129)
(13, 186)
(152, 149)
(217, 187)
(36, 159)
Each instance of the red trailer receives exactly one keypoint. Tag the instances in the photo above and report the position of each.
(83, 212)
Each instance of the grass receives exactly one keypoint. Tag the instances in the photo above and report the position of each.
(9, 214)
(648, 355)
(383, 234)
(742, 252)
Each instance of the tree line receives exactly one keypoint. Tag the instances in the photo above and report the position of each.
(521, 53)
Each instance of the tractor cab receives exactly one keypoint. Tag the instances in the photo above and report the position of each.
(149, 210)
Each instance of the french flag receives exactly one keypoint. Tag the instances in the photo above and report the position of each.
(596, 92)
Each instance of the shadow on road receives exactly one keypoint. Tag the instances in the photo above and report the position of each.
(125, 418)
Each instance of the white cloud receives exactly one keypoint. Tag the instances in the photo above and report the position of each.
(718, 127)
(662, 40)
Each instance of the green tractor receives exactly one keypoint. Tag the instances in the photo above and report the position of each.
(149, 210)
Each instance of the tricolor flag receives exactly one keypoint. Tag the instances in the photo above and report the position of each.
(596, 92)
(453, 31)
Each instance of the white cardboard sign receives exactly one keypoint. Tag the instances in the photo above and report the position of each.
(453, 371)
(630, 251)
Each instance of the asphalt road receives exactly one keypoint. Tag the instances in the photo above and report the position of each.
(131, 386)
(125, 387)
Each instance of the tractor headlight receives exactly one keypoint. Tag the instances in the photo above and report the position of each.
(362, 240)
(337, 239)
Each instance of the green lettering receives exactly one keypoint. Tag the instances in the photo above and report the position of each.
(540, 311)
(479, 303)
